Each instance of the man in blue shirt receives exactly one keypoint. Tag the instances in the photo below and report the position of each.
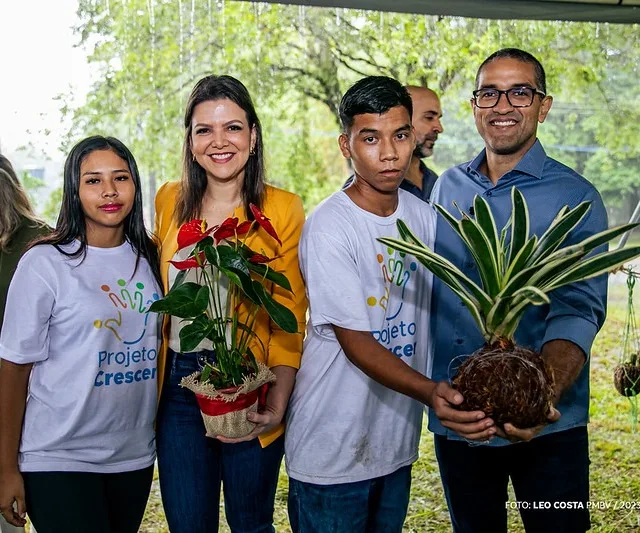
(549, 467)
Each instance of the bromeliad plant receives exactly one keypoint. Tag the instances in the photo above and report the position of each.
(516, 269)
(220, 252)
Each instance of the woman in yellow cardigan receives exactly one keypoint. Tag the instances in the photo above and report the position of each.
(223, 172)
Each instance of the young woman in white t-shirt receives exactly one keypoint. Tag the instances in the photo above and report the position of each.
(79, 348)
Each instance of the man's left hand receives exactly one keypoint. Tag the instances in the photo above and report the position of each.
(515, 434)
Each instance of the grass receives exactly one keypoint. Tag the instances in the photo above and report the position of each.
(615, 455)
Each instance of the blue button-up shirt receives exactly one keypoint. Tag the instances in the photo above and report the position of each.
(576, 312)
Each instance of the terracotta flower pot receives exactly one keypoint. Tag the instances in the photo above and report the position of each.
(626, 378)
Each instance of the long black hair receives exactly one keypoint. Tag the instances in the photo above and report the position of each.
(71, 223)
(194, 177)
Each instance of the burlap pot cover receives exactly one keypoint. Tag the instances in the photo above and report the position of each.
(224, 412)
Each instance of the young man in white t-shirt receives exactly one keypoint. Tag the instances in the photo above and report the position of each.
(353, 423)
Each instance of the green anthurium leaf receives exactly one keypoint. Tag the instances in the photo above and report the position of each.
(201, 301)
(193, 334)
(281, 316)
(201, 245)
(180, 302)
(179, 279)
(211, 253)
(244, 282)
(264, 271)
(230, 259)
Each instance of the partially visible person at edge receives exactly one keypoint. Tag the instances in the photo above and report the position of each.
(78, 387)
(426, 120)
(551, 462)
(353, 424)
(223, 172)
(18, 226)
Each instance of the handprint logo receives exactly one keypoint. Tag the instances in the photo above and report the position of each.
(393, 273)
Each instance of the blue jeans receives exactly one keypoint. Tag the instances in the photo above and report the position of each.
(376, 505)
(192, 466)
(548, 471)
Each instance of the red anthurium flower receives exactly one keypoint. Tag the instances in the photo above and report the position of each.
(244, 228)
(192, 232)
(192, 262)
(259, 259)
(264, 223)
(226, 229)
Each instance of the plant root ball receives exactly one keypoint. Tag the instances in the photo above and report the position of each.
(510, 385)
(626, 378)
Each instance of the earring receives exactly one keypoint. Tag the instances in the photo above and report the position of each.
(193, 156)
(252, 151)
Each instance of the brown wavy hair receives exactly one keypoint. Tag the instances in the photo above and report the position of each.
(14, 204)
(194, 178)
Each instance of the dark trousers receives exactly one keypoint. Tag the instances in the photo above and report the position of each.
(376, 505)
(83, 502)
(192, 466)
(550, 476)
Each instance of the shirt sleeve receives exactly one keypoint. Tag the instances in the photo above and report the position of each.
(333, 284)
(286, 348)
(25, 330)
(577, 311)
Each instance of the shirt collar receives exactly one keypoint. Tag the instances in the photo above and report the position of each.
(532, 163)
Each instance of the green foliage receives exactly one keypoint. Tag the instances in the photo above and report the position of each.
(518, 271)
(297, 62)
(32, 185)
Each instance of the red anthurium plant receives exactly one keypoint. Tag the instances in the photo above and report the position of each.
(209, 312)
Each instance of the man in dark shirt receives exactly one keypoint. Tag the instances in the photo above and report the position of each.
(426, 116)
(426, 120)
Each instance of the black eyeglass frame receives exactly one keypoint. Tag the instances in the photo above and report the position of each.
(506, 94)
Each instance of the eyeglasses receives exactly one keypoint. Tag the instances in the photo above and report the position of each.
(516, 96)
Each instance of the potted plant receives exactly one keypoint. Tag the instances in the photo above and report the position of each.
(626, 376)
(232, 383)
(508, 382)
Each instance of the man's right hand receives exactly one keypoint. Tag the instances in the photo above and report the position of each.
(471, 425)
(12, 490)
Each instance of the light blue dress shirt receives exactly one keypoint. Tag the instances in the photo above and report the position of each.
(576, 312)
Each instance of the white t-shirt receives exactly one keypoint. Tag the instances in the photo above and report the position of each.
(343, 426)
(93, 388)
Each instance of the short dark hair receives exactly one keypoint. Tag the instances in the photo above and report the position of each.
(518, 55)
(194, 177)
(373, 94)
